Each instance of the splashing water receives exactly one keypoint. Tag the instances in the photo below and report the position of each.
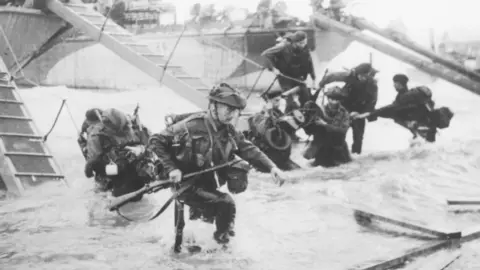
(306, 224)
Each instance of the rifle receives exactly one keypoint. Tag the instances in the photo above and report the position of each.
(315, 96)
(162, 184)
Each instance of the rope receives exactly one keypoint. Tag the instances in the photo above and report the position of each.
(172, 52)
(45, 137)
(72, 118)
(106, 20)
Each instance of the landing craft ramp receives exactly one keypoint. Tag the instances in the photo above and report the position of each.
(24, 159)
(442, 71)
(124, 44)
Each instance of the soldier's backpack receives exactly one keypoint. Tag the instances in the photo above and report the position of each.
(442, 117)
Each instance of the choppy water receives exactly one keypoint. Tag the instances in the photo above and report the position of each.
(304, 225)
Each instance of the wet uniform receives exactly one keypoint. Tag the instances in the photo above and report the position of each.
(295, 63)
(106, 146)
(329, 147)
(361, 98)
(196, 143)
(411, 105)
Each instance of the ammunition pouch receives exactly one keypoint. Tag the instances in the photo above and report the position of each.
(236, 176)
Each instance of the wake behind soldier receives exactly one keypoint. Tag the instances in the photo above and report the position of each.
(361, 91)
(208, 139)
(293, 60)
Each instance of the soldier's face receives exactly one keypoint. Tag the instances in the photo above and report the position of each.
(276, 102)
(398, 86)
(362, 77)
(226, 113)
(333, 102)
(300, 44)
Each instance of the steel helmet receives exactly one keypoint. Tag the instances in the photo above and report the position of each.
(115, 119)
(335, 92)
(225, 94)
(366, 69)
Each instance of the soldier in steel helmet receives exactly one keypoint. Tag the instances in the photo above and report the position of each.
(115, 151)
(203, 140)
(330, 125)
(361, 92)
(92, 117)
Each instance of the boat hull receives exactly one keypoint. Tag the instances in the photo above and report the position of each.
(216, 57)
(26, 30)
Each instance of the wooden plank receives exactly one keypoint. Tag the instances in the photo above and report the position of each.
(10, 101)
(426, 66)
(20, 135)
(469, 234)
(464, 202)
(440, 235)
(15, 117)
(29, 154)
(398, 261)
(442, 262)
(39, 174)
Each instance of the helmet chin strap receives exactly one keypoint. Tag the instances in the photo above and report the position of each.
(215, 112)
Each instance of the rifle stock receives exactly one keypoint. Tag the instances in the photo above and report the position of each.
(124, 199)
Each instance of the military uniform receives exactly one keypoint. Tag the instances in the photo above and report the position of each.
(412, 109)
(91, 116)
(198, 142)
(361, 97)
(295, 63)
(329, 147)
(107, 145)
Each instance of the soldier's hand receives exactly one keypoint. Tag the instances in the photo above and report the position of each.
(353, 114)
(277, 176)
(175, 176)
(88, 170)
(321, 122)
(276, 71)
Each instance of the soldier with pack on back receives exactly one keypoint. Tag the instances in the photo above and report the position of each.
(361, 92)
(413, 109)
(92, 117)
(203, 140)
(116, 151)
(270, 130)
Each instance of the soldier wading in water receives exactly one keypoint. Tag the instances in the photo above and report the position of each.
(206, 139)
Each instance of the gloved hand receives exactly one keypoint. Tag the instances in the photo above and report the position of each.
(277, 176)
(175, 176)
(88, 170)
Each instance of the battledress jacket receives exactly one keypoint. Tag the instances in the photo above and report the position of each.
(196, 143)
(361, 96)
(289, 61)
(104, 145)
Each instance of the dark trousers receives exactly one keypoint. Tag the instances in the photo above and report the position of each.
(213, 203)
(304, 94)
(358, 129)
